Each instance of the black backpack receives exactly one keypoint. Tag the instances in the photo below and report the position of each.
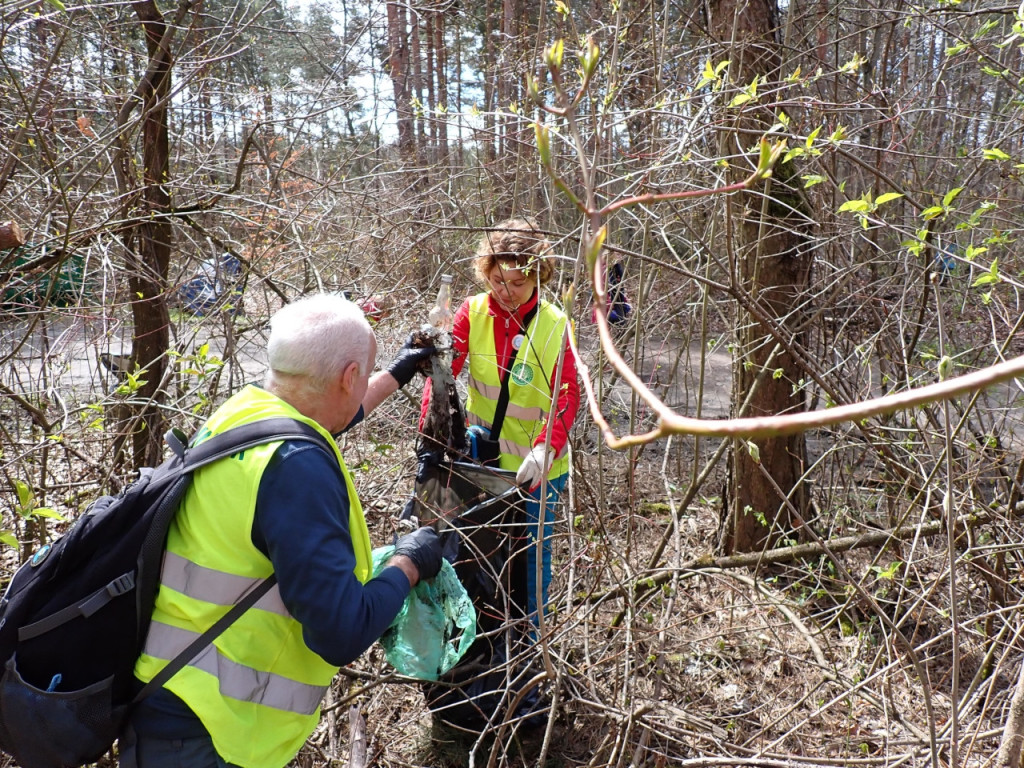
(74, 618)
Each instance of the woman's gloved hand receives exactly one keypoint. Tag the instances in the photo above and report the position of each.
(534, 467)
(407, 361)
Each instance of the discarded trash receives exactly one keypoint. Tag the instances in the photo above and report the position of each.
(434, 629)
(213, 285)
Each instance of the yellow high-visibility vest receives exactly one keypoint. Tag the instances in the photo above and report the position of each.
(529, 386)
(257, 687)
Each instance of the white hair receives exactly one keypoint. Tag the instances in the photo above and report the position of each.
(315, 338)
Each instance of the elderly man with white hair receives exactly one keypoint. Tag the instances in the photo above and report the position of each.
(287, 508)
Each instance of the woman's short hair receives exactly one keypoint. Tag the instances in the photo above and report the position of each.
(515, 243)
(316, 338)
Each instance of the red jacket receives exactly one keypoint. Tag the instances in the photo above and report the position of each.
(568, 399)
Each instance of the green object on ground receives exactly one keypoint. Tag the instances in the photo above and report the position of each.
(435, 627)
(60, 284)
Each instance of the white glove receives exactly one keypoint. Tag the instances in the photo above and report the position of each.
(534, 467)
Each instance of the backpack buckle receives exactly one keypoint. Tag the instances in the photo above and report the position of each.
(122, 584)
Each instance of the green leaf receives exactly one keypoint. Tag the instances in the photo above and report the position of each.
(48, 512)
(794, 152)
(8, 538)
(57, 4)
(811, 179)
(543, 143)
(995, 154)
(887, 196)
(533, 89)
(569, 298)
(932, 213)
(945, 367)
(710, 74)
(950, 196)
(989, 278)
(25, 497)
(749, 93)
(953, 50)
(857, 206)
(593, 248)
(589, 57)
(853, 65)
(913, 246)
(754, 451)
(985, 28)
(553, 55)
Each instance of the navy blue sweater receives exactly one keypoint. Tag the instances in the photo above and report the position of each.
(301, 524)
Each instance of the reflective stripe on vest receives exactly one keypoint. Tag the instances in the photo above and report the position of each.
(217, 587)
(514, 410)
(529, 382)
(257, 688)
(237, 681)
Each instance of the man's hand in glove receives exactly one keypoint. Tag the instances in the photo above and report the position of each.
(407, 361)
(423, 548)
(534, 467)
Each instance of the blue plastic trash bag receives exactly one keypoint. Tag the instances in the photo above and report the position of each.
(435, 627)
(214, 284)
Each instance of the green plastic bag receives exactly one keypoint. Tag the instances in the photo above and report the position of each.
(435, 627)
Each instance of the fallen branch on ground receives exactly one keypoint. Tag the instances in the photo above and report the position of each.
(788, 554)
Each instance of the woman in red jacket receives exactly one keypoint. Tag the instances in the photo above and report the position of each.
(510, 332)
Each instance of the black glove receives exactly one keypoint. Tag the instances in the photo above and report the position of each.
(408, 360)
(423, 547)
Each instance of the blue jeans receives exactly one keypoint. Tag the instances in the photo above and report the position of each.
(554, 488)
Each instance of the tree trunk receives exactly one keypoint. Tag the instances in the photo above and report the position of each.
(416, 75)
(398, 68)
(441, 65)
(488, 139)
(640, 81)
(150, 260)
(773, 269)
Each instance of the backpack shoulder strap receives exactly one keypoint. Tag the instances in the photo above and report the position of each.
(172, 667)
(246, 436)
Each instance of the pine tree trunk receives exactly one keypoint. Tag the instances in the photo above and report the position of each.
(398, 68)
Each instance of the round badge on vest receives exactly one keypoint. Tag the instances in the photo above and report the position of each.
(522, 374)
(517, 341)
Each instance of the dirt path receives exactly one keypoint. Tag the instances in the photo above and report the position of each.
(61, 357)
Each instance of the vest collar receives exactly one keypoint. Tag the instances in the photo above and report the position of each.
(497, 311)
